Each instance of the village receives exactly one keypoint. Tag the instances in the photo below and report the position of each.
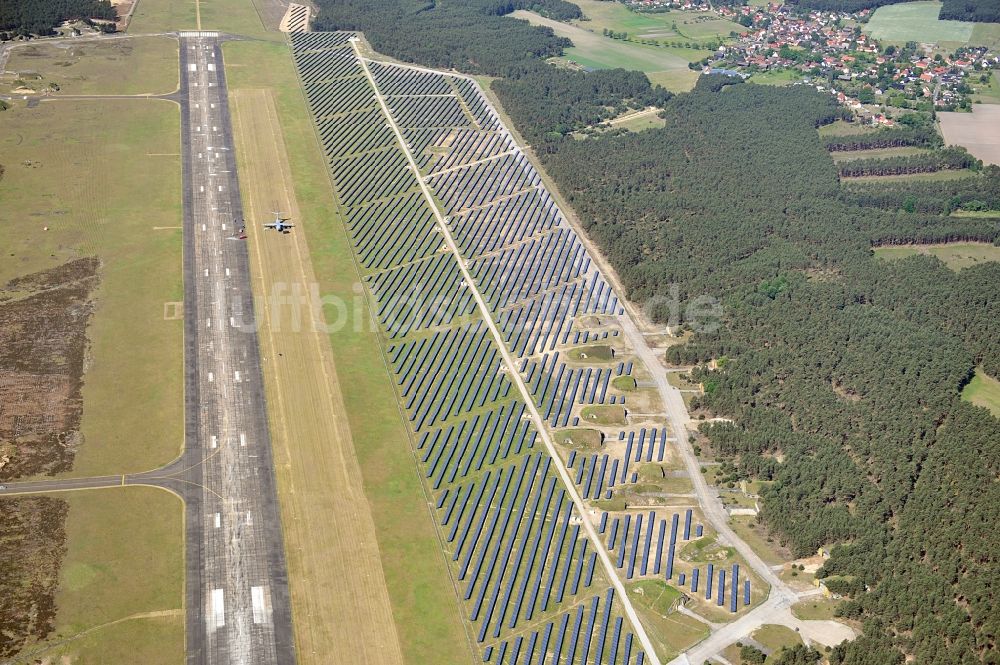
(830, 51)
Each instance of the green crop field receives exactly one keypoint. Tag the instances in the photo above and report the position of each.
(917, 22)
(984, 391)
(127, 213)
(141, 65)
(121, 591)
(956, 255)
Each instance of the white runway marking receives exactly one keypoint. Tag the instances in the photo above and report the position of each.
(218, 619)
(214, 442)
(211, 377)
(237, 377)
(218, 520)
(260, 604)
(243, 439)
(208, 323)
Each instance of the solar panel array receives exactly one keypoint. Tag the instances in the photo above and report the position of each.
(530, 583)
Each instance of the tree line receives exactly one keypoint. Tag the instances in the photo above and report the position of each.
(931, 162)
(21, 18)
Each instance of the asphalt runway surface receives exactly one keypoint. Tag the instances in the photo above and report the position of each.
(237, 587)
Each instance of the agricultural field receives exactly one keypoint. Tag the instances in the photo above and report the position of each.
(665, 66)
(917, 22)
(955, 255)
(978, 132)
(119, 592)
(666, 26)
(984, 391)
(134, 66)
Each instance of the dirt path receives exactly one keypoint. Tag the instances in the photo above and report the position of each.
(340, 603)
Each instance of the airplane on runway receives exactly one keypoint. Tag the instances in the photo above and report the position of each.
(279, 224)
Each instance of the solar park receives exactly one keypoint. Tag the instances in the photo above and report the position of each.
(532, 587)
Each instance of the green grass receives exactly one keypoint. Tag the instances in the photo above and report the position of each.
(670, 632)
(843, 128)
(579, 438)
(984, 391)
(239, 17)
(957, 255)
(598, 352)
(124, 559)
(611, 414)
(423, 601)
(655, 595)
(641, 123)
(162, 16)
(143, 65)
(776, 77)
(617, 17)
(815, 609)
(985, 34)
(918, 22)
(773, 636)
(593, 50)
(752, 536)
(624, 383)
(132, 401)
(988, 93)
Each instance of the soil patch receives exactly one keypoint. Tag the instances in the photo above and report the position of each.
(43, 344)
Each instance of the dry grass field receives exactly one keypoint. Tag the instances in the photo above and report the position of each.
(341, 605)
(978, 132)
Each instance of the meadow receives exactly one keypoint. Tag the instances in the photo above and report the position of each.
(955, 255)
(984, 391)
(666, 66)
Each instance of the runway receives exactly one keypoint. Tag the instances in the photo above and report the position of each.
(237, 587)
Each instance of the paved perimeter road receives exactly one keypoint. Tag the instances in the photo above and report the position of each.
(238, 609)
